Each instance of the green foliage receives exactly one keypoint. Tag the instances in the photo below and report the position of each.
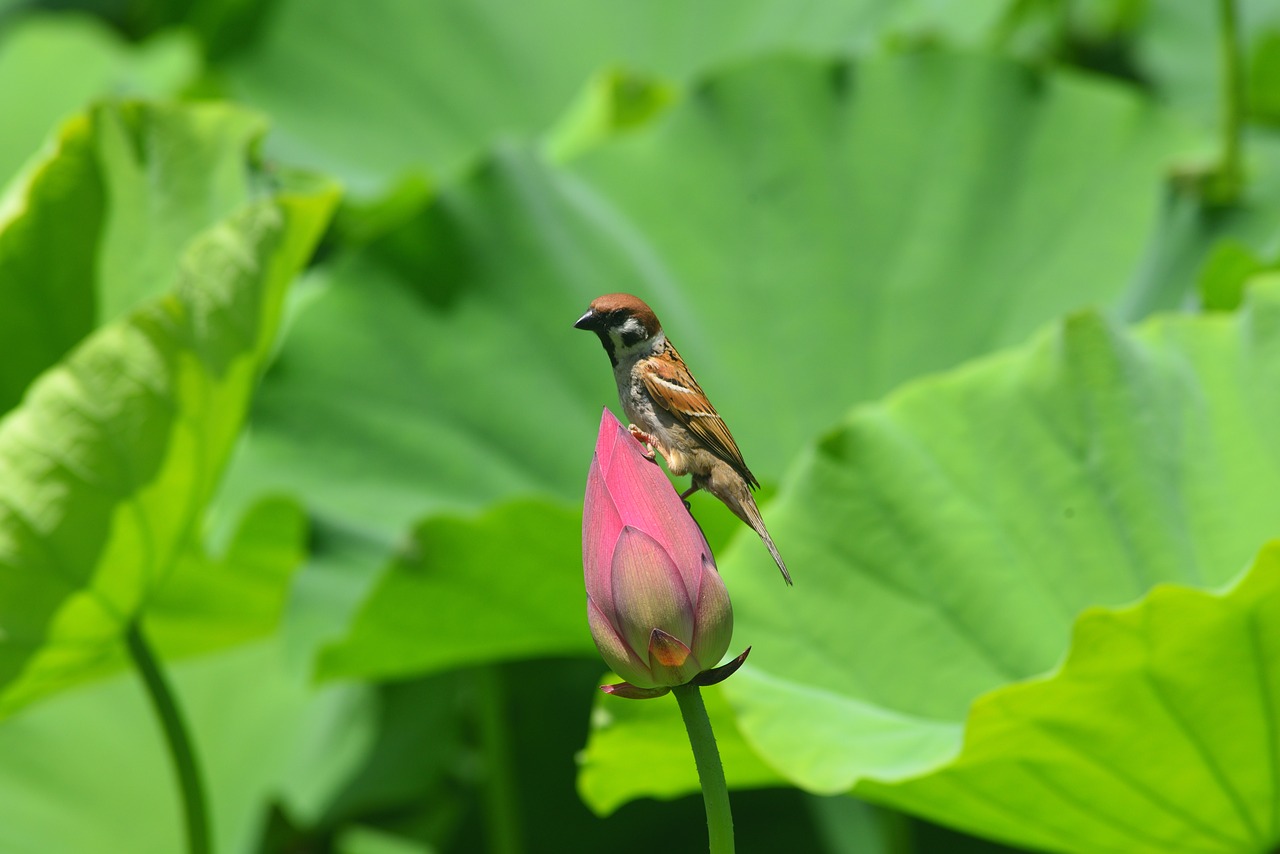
(1175, 45)
(1227, 271)
(653, 729)
(113, 453)
(900, 243)
(846, 166)
(259, 728)
(105, 220)
(462, 282)
(75, 59)
(219, 601)
(505, 586)
(1157, 733)
(394, 106)
(1264, 79)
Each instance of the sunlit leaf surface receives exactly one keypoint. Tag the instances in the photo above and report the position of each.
(507, 585)
(103, 222)
(52, 66)
(427, 87)
(109, 460)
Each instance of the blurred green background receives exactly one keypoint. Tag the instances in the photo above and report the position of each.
(987, 291)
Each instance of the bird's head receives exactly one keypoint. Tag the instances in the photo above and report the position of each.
(623, 323)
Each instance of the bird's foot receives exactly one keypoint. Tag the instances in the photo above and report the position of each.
(684, 496)
(645, 440)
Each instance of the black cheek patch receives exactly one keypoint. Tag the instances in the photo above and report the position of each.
(632, 337)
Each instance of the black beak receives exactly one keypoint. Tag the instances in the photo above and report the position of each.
(590, 321)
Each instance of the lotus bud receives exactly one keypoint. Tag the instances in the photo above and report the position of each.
(657, 607)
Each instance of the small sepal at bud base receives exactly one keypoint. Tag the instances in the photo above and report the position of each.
(627, 691)
(716, 675)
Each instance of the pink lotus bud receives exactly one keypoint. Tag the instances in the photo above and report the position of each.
(658, 610)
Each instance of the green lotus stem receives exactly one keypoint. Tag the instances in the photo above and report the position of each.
(501, 805)
(181, 747)
(715, 794)
(1230, 168)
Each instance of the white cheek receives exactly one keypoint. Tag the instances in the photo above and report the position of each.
(630, 338)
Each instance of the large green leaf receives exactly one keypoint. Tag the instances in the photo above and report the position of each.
(889, 218)
(52, 65)
(213, 601)
(41, 262)
(1158, 733)
(103, 221)
(507, 585)
(256, 721)
(369, 92)
(631, 729)
(953, 534)
(109, 461)
(236, 595)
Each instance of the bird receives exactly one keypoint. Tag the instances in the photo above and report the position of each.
(669, 411)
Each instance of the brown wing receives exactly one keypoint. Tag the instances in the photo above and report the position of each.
(672, 387)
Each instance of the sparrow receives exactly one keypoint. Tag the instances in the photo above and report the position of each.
(669, 411)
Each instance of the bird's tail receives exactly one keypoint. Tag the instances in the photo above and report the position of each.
(727, 485)
(751, 515)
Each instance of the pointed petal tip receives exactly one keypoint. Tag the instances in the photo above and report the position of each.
(667, 649)
(606, 437)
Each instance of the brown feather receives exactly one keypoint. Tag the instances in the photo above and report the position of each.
(673, 387)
